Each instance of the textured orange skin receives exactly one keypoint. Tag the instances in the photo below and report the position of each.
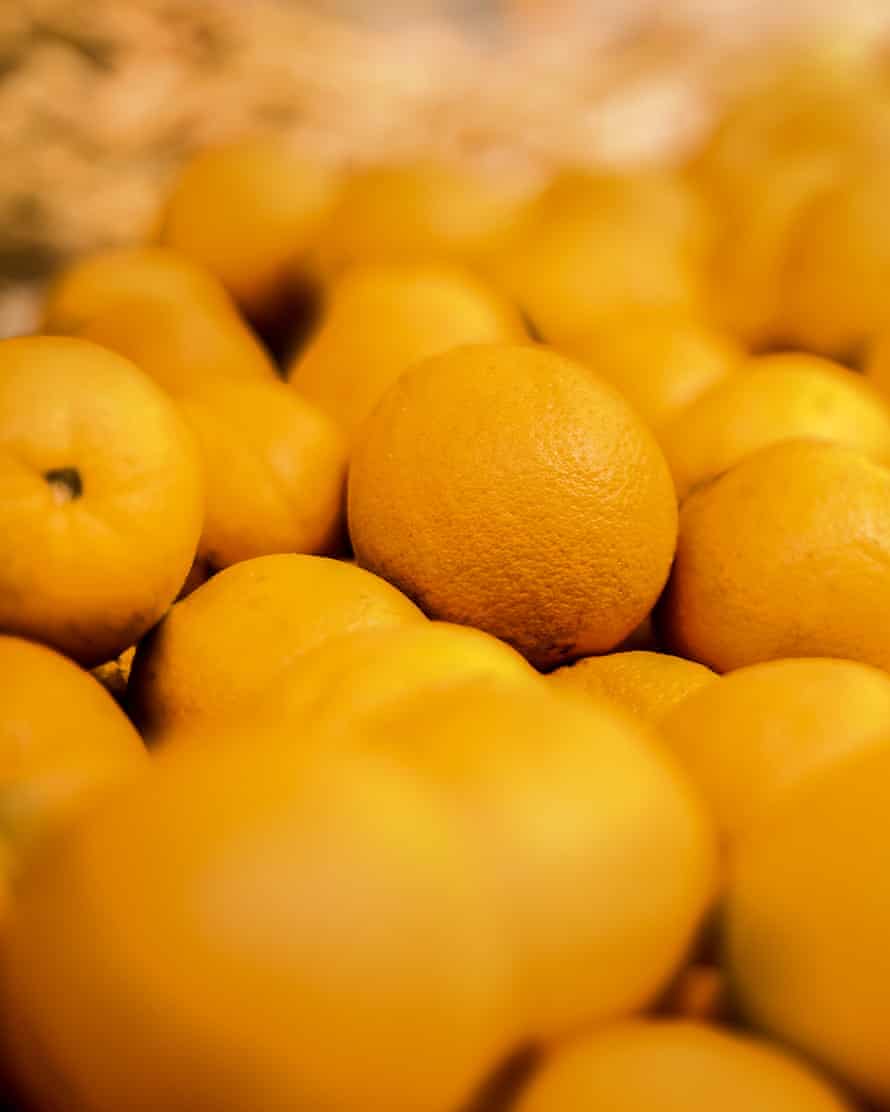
(248, 211)
(62, 738)
(228, 643)
(381, 319)
(275, 470)
(507, 488)
(770, 399)
(648, 684)
(660, 360)
(675, 1066)
(808, 917)
(600, 853)
(749, 739)
(785, 555)
(90, 575)
(248, 929)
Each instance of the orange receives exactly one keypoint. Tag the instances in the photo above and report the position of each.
(231, 640)
(248, 210)
(593, 244)
(275, 470)
(676, 1066)
(382, 318)
(246, 929)
(63, 739)
(407, 212)
(659, 359)
(648, 684)
(101, 497)
(747, 740)
(877, 363)
(774, 398)
(507, 488)
(785, 555)
(808, 918)
(596, 847)
(102, 281)
(114, 675)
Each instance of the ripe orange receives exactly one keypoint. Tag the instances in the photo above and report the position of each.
(648, 684)
(248, 211)
(774, 398)
(593, 842)
(382, 318)
(248, 929)
(747, 740)
(275, 469)
(808, 917)
(659, 359)
(507, 488)
(675, 1066)
(231, 640)
(785, 555)
(101, 498)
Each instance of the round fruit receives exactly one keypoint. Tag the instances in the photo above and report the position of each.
(774, 398)
(808, 918)
(747, 740)
(648, 684)
(62, 738)
(248, 211)
(275, 469)
(675, 1066)
(507, 488)
(600, 854)
(232, 638)
(249, 929)
(381, 319)
(100, 497)
(785, 555)
(660, 360)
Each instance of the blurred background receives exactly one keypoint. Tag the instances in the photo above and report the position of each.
(100, 101)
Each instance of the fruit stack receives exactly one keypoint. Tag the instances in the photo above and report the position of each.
(444, 639)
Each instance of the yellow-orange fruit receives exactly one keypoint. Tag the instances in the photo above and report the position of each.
(507, 488)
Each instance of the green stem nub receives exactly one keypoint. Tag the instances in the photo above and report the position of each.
(65, 482)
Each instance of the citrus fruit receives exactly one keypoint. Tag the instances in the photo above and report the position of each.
(808, 913)
(100, 497)
(660, 360)
(232, 638)
(749, 739)
(774, 398)
(507, 488)
(675, 1066)
(246, 928)
(785, 555)
(648, 684)
(248, 211)
(382, 318)
(599, 852)
(275, 472)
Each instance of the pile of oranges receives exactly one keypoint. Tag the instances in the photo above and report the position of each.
(444, 639)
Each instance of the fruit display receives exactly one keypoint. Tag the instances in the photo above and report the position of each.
(445, 635)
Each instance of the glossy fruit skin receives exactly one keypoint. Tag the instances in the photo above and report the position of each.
(506, 488)
(785, 555)
(380, 319)
(648, 684)
(275, 473)
(599, 853)
(774, 398)
(676, 1066)
(807, 920)
(102, 497)
(751, 738)
(262, 613)
(246, 928)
